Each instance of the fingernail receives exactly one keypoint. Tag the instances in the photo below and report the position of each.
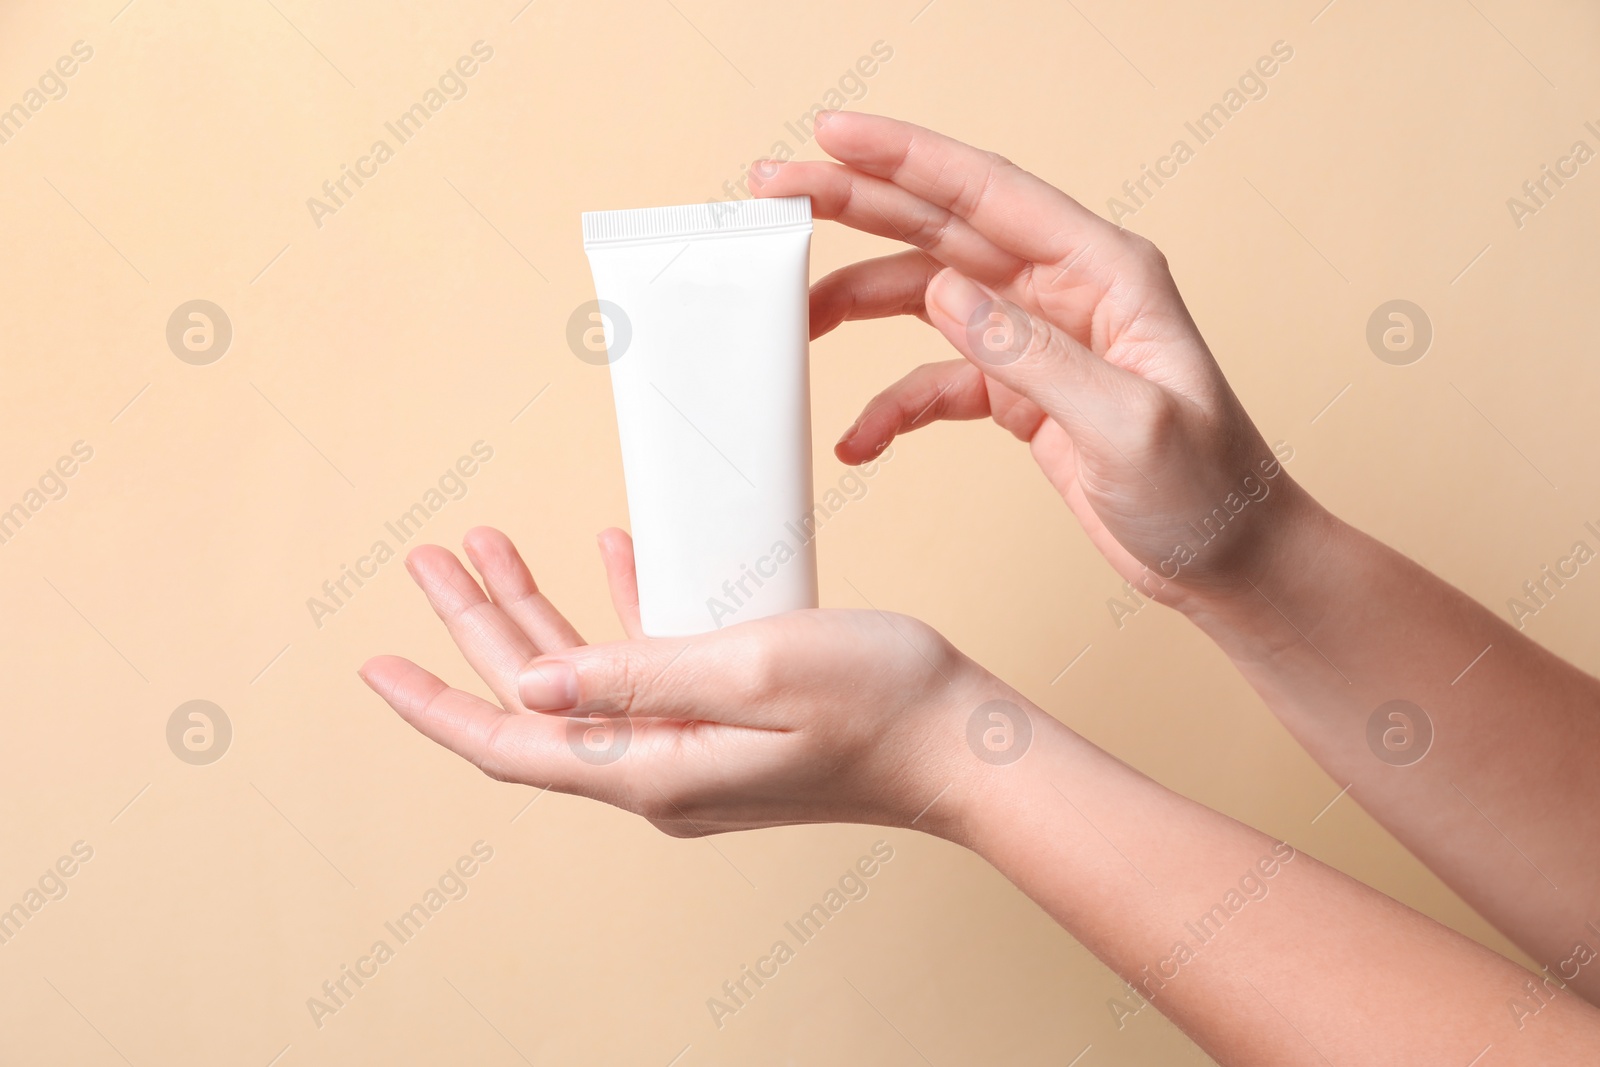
(549, 685)
(958, 297)
(851, 432)
(763, 170)
(823, 118)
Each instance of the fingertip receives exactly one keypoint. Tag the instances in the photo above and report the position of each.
(492, 554)
(867, 437)
(622, 578)
(762, 171)
(857, 451)
(472, 548)
(424, 555)
(827, 121)
(376, 671)
(429, 566)
(849, 135)
(478, 537)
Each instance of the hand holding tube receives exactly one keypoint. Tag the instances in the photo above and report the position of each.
(862, 717)
(813, 716)
(1073, 338)
(1094, 361)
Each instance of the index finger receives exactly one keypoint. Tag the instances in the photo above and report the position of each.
(1019, 212)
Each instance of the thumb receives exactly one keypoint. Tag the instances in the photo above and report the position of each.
(1095, 401)
(710, 678)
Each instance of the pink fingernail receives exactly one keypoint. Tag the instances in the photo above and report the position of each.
(958, 297)
(549, 685)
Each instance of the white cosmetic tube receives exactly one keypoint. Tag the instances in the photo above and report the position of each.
(706, 315)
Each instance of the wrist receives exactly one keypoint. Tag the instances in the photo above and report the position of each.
(1286, 578)
(1005, 753)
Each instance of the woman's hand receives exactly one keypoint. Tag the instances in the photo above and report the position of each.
(815, 716)
(1073, 337)
(847, 716)
(1129, 416)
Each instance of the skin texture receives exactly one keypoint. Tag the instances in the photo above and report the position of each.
(1324, 621)
(1072, 336)
(824, 716)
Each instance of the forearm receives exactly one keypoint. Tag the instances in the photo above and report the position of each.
(1502, 801)
(1261, 954)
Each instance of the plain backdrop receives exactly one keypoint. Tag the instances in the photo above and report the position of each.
(374, 345)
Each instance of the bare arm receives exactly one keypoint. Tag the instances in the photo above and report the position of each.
(1073, 337)
(1476, 747)
(1260, 953)
(1263, 955)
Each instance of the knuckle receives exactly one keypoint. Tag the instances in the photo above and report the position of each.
(930, 231)
(999, 167)
(975, 185)
(498, 773)
(653, 808)
(929, 643)
(760, 673)
(662, 810)
(617, 687)
(498, 756)
(1149, 256)
(1158, 421)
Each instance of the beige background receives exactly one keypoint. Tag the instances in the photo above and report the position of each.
(371, 352)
